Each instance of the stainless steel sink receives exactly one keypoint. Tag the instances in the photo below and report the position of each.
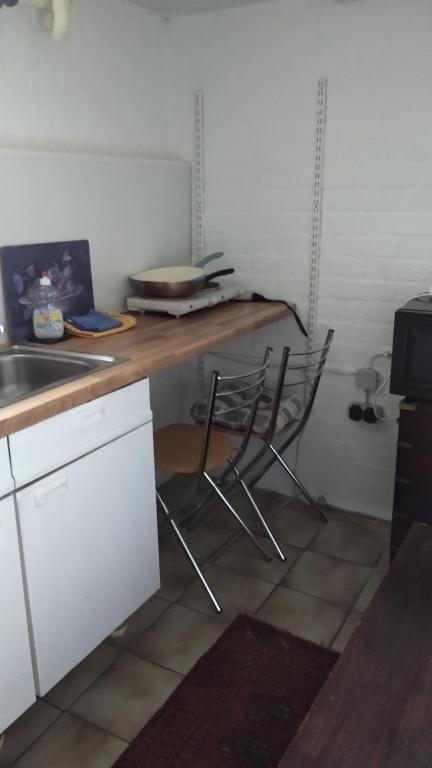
(28, 370)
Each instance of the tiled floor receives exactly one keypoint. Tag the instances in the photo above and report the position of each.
(331, 573)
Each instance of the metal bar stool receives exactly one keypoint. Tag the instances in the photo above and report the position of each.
(308, 375)
(198, 450)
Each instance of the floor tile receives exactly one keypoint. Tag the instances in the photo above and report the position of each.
(71, 743)
(210, 535)
(328, 577)
(141, 620)
(179, 638)
(270, 499)
(24, 731)
(350, 542)
(352, 621)
(243, 557)
(124, 698)
(176, 574)
(268, 502)
(80, 678)
(303, 615)
(381, 527)
(295, 525)
(369, 589)
(236, 593)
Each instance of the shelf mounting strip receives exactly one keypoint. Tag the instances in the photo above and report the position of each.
(198, 248)
(320, 128)
(198, 179)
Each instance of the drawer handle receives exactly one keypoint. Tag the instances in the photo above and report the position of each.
(402, 444)
(51, 490)
(89, 416)
(402, 480)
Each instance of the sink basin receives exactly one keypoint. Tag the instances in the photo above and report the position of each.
(28, 370)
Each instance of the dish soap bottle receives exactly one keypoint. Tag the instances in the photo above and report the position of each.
(47, 316)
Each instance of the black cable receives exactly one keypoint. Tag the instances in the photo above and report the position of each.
(258, 297)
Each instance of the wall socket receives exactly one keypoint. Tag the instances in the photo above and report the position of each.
(365, 412)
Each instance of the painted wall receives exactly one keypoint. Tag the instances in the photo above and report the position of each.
(100, 92)
(258, 68)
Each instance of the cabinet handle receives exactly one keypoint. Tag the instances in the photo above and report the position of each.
(402, 480)
(89, 416)
(402, 444)
(50, 490)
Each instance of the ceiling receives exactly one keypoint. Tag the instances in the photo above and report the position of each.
(178, 7)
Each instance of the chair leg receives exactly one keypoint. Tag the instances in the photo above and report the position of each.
(298, 483)
(195, 516)
(188, 553)
(255, 506)
(237, 517)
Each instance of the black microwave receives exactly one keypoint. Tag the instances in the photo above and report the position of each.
(411, 370)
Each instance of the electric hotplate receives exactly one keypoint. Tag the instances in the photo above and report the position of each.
(208, 297)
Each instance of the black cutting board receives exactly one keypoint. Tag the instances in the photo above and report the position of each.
(68, 265)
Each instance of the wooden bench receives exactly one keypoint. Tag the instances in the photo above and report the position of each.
(375, 710)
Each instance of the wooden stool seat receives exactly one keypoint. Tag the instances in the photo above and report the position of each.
(178, 449)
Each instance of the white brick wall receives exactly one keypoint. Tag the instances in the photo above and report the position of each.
(102, 90)
(258, 68)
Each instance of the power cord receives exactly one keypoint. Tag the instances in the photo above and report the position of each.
(375, 407)
(258, 297)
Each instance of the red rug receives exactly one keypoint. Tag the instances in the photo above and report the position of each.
(240, 705)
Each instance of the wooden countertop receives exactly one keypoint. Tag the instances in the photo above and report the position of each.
(375, 709)
(157, 342)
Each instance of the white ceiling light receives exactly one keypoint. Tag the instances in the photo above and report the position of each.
(56, 14)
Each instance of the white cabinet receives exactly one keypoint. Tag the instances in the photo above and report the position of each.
(52, 443)
(17, 689)
(88, 529)
(89, 538)
(6, 480)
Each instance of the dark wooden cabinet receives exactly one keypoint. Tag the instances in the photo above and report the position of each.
(375, 708)
(413, 481)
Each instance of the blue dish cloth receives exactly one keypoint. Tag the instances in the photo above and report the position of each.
(93, 321)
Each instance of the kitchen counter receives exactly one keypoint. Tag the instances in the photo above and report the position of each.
(157, 342)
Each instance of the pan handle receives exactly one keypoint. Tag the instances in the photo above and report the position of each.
(220, 273)
(211, 257)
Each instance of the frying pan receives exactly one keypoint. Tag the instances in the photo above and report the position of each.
(173, 282)
(154, 282)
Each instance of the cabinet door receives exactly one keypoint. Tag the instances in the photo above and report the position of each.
(17, 689)
(6, 481)
(89, 537)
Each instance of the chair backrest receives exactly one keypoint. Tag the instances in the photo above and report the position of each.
(231, 394)
(306, 370)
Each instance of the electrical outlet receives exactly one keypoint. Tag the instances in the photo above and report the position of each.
(355, 411)
(369, 415)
